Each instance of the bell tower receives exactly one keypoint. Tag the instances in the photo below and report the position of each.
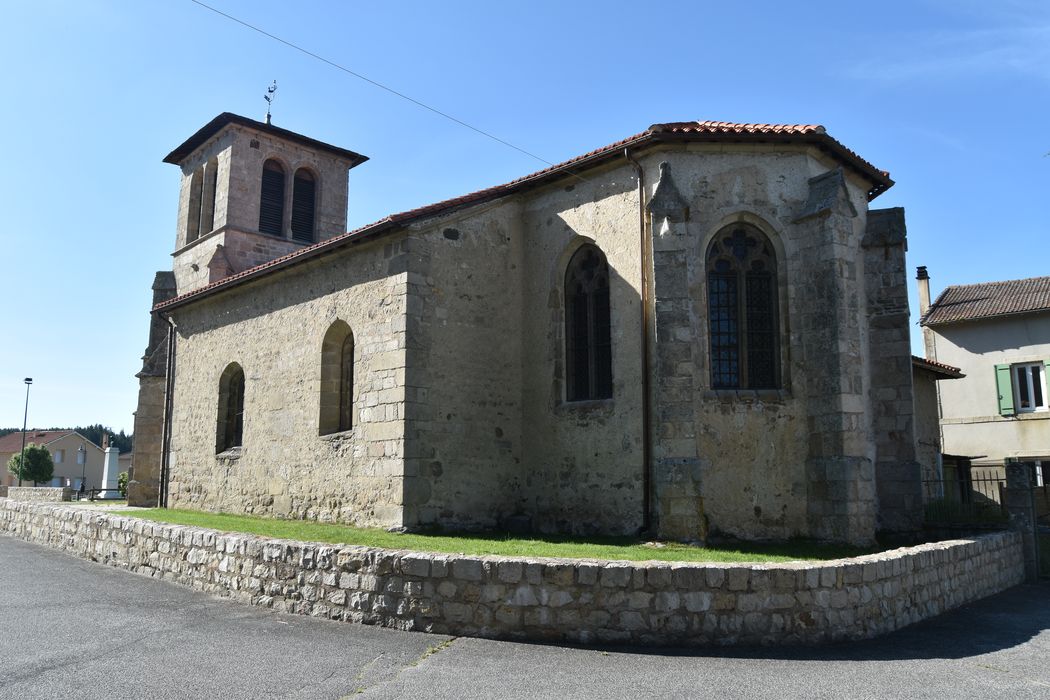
(252, 192)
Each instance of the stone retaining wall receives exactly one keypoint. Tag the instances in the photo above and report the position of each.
(544, 599)
(40, 494)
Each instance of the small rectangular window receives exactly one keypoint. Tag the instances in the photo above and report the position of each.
(80, 456)
(57, 456)
(1029, 387)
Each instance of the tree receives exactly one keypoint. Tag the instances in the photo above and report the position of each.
(37, 467)
(122, 484)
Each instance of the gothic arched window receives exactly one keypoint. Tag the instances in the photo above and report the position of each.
(742, 310)
(303, 201)
(230, 429)
(337, 379)
(271, 199)
(588, 343)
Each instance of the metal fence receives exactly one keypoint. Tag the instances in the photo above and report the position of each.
(973, 497)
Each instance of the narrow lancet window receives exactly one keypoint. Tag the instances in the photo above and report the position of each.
(588, 340)
(230, 428)
(337, 380)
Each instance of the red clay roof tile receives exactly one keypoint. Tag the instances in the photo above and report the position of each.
(12, 442)
(970, 302)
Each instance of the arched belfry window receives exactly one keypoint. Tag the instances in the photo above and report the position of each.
(230, 428)
(742, 310)
(271, 201)
(337, 379)
(304, 195)
(588, 343)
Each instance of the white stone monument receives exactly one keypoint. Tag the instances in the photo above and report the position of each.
(110, 474)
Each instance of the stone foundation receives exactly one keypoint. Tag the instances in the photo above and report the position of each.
(652, 603)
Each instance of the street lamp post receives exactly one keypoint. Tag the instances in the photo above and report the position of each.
(25, 418)
(82, 458)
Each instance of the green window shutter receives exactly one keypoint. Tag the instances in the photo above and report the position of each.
(1006, 390)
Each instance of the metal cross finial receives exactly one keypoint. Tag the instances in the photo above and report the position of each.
(270, 96)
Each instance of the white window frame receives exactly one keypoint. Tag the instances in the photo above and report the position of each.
(1027, 377)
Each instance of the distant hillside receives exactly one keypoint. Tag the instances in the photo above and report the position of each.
(93, 433)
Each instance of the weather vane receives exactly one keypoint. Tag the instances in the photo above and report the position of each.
(270, 96)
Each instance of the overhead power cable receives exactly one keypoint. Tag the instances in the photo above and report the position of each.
(377, 84)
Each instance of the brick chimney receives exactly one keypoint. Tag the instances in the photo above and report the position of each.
(924, 289)
(928, 339)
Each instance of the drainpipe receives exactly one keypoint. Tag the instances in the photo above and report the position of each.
(165, 440)
(647, 464)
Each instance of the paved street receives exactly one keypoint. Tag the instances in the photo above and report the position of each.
(75, 629)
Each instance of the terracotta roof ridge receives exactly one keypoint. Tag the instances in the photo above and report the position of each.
(995, 282)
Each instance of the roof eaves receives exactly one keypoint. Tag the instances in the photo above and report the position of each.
(670, 132)
(401, 219)
(202, 135)
(946, 371)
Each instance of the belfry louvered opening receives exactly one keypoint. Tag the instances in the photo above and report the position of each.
(304, 193)
(271, 203)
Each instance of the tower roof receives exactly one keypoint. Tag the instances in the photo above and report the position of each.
(226, 118)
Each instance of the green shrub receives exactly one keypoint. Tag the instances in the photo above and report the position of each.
(38, 466)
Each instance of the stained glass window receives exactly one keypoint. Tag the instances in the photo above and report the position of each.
(742, 310)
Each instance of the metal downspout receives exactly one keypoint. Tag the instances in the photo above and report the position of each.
(647, 465)
(165, 441)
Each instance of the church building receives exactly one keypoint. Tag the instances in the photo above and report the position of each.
(701, 330)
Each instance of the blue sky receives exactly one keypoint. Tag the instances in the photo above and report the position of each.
(953, 98)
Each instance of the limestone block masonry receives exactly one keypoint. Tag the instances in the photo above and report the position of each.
(40, 493)
(653, 603)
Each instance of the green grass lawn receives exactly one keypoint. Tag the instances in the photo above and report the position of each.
(609, 548)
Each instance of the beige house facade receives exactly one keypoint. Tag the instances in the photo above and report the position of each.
(699, 331)
(76, 458)
(998, 335)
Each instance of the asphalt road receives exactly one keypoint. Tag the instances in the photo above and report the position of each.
(75, 629)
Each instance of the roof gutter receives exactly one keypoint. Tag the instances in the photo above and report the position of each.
(165, 439)
(647, 437)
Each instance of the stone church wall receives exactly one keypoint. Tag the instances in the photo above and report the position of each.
(770, 464)
(463, 399)
(461, 413)
(746, 474)
(274, 331)
(583, 460)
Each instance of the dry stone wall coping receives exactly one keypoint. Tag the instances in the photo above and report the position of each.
(588, 601)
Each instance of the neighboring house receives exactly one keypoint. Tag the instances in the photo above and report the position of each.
(998, 334)
(926, 377)
(701, 329)
(72, 464)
